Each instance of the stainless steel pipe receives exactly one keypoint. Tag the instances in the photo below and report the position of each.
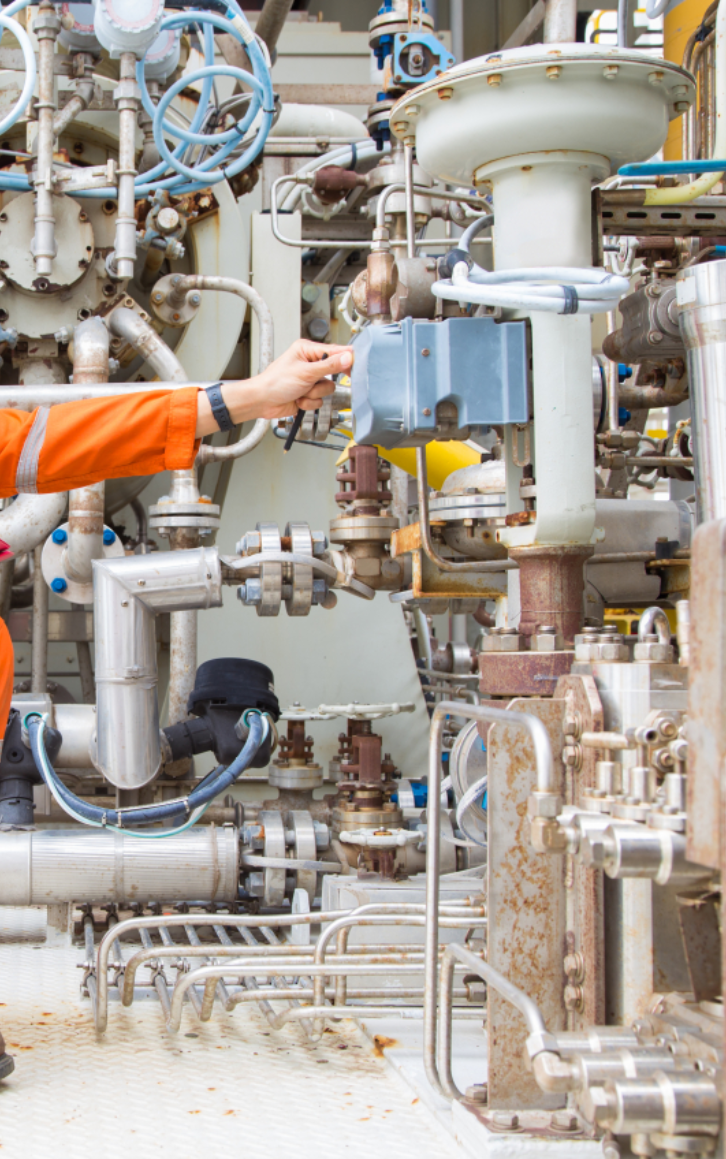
(39, 645)
(127, 594)
(44, 248)
(121, 262)
(701, 296)
(560, 22)
(54, 866)
(85, 504)
(183, 650)
(546, 786)
(184, 285)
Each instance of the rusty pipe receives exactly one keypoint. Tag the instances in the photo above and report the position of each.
(80, 101)
(271, 21)
(650, 397)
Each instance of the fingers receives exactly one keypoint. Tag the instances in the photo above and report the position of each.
(312, 398)
(335, 363)
(314, 351)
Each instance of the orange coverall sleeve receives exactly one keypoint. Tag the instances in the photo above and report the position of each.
(76, 443)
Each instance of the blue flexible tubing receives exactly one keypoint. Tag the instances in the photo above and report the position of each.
(196, 802)
(203, 175)
(189, 135)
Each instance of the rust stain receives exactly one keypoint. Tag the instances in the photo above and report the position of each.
(381, 1043)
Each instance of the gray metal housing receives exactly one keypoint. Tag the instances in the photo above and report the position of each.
(403, 372)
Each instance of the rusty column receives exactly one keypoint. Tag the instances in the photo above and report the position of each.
(552, 587)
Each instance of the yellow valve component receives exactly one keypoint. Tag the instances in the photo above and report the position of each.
(441, 459)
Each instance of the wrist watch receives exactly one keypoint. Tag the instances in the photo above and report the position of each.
(222, 416)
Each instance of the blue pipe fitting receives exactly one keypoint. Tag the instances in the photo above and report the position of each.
(59, 535)
(109, 537)
(58, 585)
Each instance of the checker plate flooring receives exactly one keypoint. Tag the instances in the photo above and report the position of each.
(138, 1091)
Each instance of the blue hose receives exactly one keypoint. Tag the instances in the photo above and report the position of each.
(189, 179)
(196, 802)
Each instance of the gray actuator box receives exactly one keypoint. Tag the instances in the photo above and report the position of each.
(403, 373)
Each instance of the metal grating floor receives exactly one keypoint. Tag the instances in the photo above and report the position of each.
(140, 1092)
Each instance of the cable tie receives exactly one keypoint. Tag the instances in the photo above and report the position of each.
(243, 28)
(186, 807)
(354, 155)
(702, 33)
(572, 302)
(104, 818)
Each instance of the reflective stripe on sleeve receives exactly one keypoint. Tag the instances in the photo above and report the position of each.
(26, 477)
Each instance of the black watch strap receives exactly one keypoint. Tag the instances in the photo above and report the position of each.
(222, 416)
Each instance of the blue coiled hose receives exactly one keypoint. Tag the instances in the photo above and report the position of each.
(190, 178)
(192, 806)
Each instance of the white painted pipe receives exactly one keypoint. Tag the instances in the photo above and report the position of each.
(29, 520)
(317, 121)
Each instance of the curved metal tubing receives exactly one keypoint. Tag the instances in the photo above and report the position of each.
(545, 784)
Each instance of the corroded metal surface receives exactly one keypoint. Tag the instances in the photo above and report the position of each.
(551, 585)
(707, 693)
(526, 909)
(585, 903)
(522, 673)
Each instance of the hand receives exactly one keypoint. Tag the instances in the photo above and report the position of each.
(293, 380)
(298, 378)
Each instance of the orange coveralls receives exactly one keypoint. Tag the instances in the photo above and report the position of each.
(76, 443)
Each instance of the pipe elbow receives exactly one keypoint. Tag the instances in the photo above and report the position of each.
(552, 1074)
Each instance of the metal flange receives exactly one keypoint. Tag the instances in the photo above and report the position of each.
(53, 564)
(203, 517)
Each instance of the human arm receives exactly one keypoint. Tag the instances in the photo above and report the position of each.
(76, 443)
(295, 379)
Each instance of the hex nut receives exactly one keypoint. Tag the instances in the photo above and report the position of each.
(585, 652)
(547, 642)
(613, 650)
(500, 643)
(320, 542)
(593, 851)
(250, 544)
(564, 1120)
(545, 805)
(650, 653)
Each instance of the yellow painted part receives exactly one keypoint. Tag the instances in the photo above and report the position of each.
(682, 194)
(441, 460)
(679, 22)
(625, 618)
